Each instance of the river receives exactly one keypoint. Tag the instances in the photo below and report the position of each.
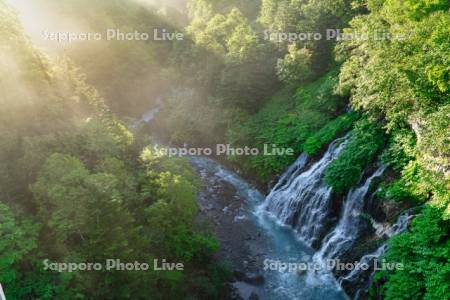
(259, 239)
(270, 240)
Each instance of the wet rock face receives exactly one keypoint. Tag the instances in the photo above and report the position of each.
(359, 288)
(383, 210)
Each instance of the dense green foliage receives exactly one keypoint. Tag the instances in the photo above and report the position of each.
(223, 70)
(364, 142)
(287, 121)
(294, 68)
(17, 240)
(424, 253)
(329, 132)
(403, 79)
(78, 186)
(315, 16)
(231, 69)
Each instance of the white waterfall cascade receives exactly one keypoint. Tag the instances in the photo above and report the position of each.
(2, 294)
(347, 230)
(301, 199)
(357, 273)
(293, 171)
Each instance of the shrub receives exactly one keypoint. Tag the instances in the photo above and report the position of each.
(328, 133)
(365, 141)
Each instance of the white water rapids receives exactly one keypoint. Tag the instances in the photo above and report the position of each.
(295, 217)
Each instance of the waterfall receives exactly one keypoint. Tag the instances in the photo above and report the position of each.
(301, 199)
(361, 275)
(347, 231)
(292, 172)
(2, 294)
(269, 243)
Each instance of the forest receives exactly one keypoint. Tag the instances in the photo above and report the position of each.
(80, 180)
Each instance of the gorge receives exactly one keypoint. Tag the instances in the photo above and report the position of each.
(293, 225)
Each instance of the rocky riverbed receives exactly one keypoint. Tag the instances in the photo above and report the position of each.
(249, 238)
(241, 241)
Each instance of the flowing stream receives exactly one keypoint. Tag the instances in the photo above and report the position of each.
(289, 222)
(281, 245)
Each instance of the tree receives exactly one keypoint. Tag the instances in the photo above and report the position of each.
(16, 240)
(295, 67)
